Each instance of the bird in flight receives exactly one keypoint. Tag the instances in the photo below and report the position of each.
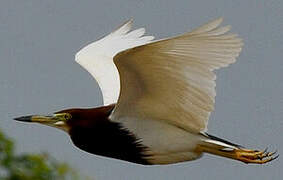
(157, 95)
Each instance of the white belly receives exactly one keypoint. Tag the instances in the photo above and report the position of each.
(166, 143)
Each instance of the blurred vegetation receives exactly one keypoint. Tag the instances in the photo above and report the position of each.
(31, 166)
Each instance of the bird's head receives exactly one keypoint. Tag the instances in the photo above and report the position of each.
(70, 118)
(59, 120)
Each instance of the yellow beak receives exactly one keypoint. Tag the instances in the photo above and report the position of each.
(55, 120)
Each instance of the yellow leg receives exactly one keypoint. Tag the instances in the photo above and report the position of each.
(243, 155)
(254, 156)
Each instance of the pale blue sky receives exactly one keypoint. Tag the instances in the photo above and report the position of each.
(38, 74)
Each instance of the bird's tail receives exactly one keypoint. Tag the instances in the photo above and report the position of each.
(220, 147)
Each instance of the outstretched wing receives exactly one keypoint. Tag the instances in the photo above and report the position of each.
(172, 80)
(97, 58)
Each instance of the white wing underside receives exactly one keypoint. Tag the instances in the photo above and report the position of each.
(170, 80)
(97, 58)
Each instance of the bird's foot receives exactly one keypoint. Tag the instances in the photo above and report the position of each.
(255, 156)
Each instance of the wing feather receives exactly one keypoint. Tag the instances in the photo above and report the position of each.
(97, 58)
(172, 80)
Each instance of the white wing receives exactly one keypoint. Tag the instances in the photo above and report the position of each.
(97, 58)
(172, 80)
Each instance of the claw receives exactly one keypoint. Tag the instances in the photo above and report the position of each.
(267, 154)
(255, 156)
(275, 157)
(272, 153)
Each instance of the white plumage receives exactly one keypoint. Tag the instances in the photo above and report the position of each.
(97, 58)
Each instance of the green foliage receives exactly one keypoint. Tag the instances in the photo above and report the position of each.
(30, 167)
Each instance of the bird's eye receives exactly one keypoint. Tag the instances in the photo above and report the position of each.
(67, 116)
